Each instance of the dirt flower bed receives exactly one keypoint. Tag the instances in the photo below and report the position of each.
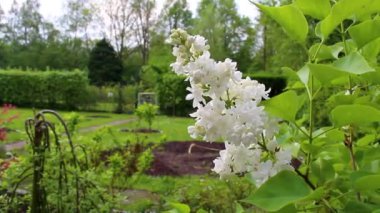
(184, 158)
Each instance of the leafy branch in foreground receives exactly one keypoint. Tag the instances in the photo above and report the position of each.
(336, 166)
(228, 108)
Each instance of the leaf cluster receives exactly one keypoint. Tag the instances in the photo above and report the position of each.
(337, 169)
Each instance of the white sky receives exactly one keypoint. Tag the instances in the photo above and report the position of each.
(52, 9)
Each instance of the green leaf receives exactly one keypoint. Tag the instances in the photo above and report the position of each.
(285, 105)
(279, 191)
(317, 194)
(342, 10)
(287, 209)
(303, 74)
(348, 46)
(326, 74)
(372, 77)
(325, 52)
(356, 207)
(287, 16)
(365, 32)
(371, 51)
(179, 207)
(238, 208)
(369, 182)
(353, 63)
(334, 136)
(323, 170)
(341, 99)
(316, 9)
(354, 114)
(364, 13)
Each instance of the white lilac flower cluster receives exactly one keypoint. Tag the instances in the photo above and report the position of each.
(228, 109)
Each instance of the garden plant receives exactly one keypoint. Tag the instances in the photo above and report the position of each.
(60, 181)
(147, 112)
(61, 170)
(295, 164)
(297, 116)
(5, 119)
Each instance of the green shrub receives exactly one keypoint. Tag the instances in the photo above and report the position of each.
(172, 91)
(56, 176)
(147, 112)
(43, 89)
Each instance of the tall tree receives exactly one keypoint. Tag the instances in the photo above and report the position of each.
(175, 14)
(31, 21)
(79, 14)
(229, 34)
(143, 10)
(104, 66)
(2, 45)
(76, 22)
(275, 44)
(13, 23)
(209, 25)
(49, 33)
(120, 21)
(2, 23)
(1, 14)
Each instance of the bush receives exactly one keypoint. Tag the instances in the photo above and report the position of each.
(57, 89)
(171, 95)
(147, 112)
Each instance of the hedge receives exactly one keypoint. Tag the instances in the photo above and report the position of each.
(276, 82)
(59, 89)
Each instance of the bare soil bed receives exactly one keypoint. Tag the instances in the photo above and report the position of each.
(141, 130)
(184, 158)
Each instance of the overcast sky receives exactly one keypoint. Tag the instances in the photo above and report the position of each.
(52, 9)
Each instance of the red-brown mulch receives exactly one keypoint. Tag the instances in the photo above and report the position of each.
(173, 158)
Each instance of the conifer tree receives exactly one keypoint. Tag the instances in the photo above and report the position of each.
(104, 66)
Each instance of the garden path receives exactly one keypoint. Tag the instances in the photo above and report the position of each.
(113, 123)
(21, 144)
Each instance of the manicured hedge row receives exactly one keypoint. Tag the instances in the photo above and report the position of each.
(276, 83)
(43, 89)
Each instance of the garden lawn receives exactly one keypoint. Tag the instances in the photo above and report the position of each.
(86, 120)
(171, 128)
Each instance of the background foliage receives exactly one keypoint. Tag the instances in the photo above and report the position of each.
(43, 89)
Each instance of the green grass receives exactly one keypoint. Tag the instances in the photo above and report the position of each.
(110, 107)
(171, 128)
(85, 120)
